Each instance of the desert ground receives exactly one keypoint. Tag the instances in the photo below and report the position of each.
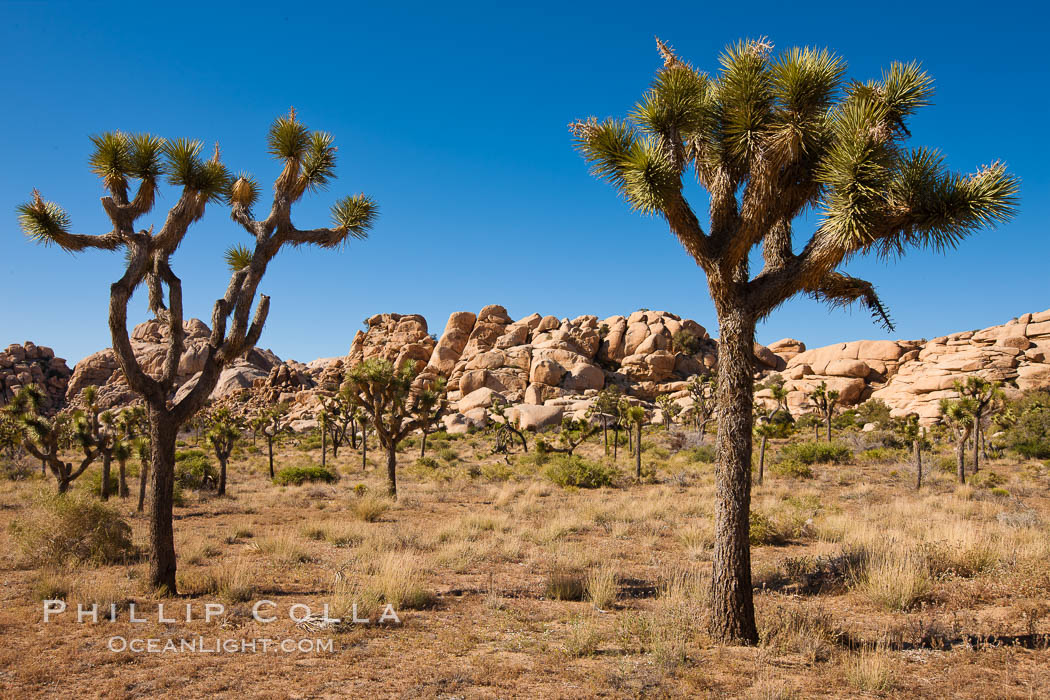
(509, 585)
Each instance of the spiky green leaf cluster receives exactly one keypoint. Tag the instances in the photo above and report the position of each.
(319, 162)
(42, 221)
(186, 169)
(787, 133)
(118, 157)
(353, 216)
(238, 257)
(288, 139)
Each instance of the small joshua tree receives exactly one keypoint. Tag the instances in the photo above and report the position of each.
(634, 416)
(668, 408)
(505, 428)
(702, 390)
(573, 433)
(222, 435)
(824, 401)
(908, 430)
(45, 438)
(429, 404)
(958, 415)
(605, 408)
(987, 399)
(119, 159)
(273, 424)
(338, 418)
(385, 395)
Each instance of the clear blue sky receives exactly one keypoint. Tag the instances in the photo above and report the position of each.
(454, 119)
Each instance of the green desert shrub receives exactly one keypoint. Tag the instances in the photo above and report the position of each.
(816, 452)
(791, 468)
(294, 476)
(579, 472)
(702, 454)
(73, 528)
(194, 470)
(93, 482)
(987, 479)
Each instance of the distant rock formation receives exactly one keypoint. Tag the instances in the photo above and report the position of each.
(34, 364)
(546, 367)
(148, 342)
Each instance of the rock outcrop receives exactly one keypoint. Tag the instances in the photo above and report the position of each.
(29, 363)
(546, 367)
(148, 343)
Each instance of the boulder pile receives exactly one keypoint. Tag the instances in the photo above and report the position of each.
(34, 364)
(544, 367)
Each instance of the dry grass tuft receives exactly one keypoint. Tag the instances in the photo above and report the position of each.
(601, 587)
(870, 672)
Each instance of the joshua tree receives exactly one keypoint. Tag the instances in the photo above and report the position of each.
(131, 423)
(122, 451)
(385, 395)
(958, 416)
(506, 428)
(769, 138)
(45, 438)
(702, 389)
(429, 404)
(765, 430)
(604, 407)
(144, 452)
(987, 397)
(668, 408)
(339, 417)
(824, 401)
(119, 159)
(909, 431)
(274, 423)
(573, 433)
(634, 416)
(223, 434)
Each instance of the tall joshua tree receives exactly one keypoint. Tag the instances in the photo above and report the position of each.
(770, 137)
(119, 159)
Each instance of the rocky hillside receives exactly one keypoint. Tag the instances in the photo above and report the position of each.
(547, 367)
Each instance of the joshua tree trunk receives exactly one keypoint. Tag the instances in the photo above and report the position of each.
(960, 460)
(918, 463)
(976, 444)
(324, 446)
(104, 489)
(143, 475)
(732, 607)
(762, 460)
(391, 469)
(269, 451)
(163, 430)
(616, 441)
(63, 485)
(638, 450)
(222, 477)
(816, 431)
(423, 444)
(123, 472)
(829, 426)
